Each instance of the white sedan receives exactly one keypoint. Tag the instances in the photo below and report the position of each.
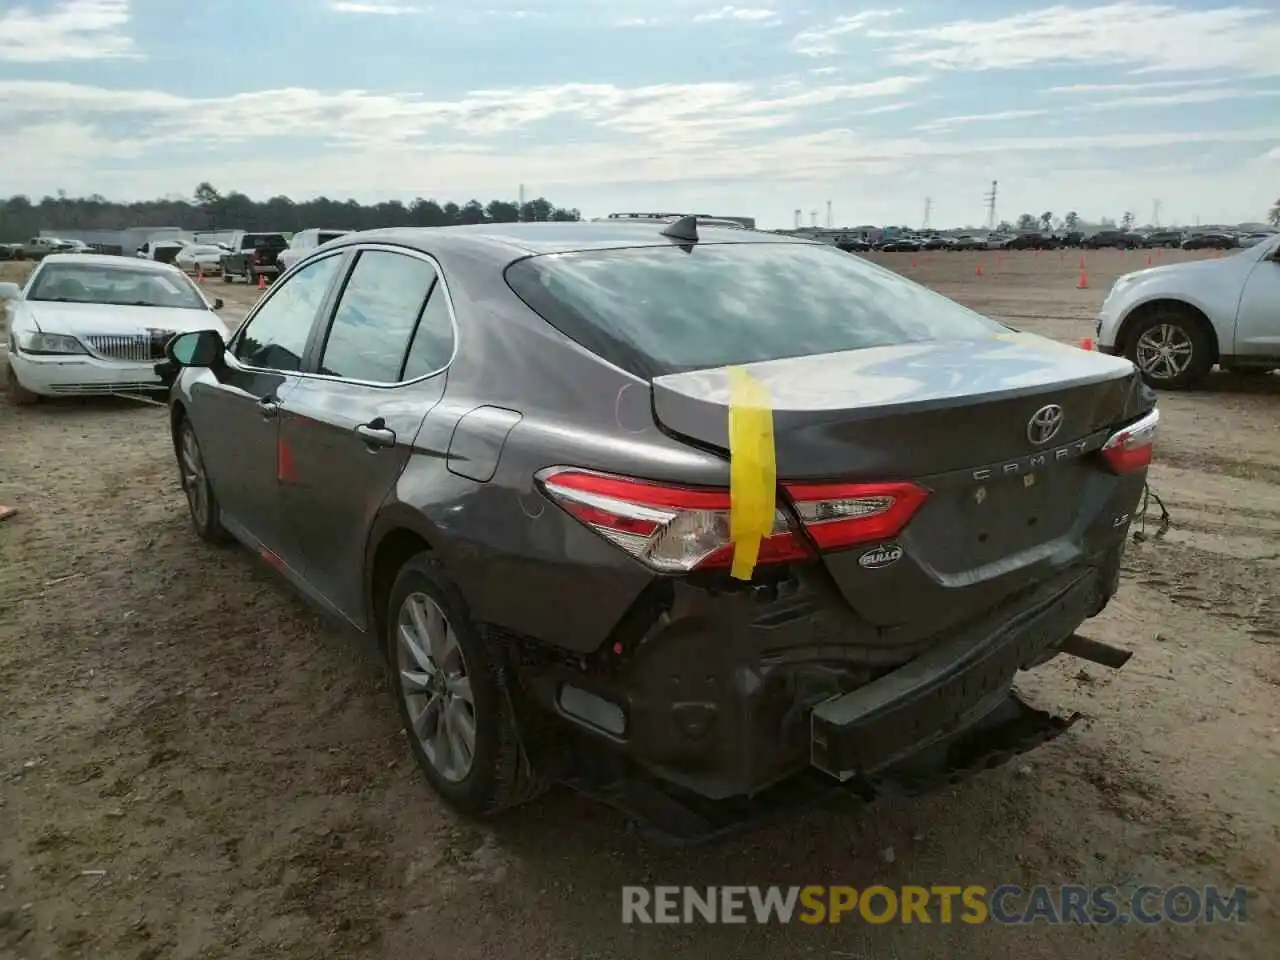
(205, 258)
(1175, 322)
(91, 325)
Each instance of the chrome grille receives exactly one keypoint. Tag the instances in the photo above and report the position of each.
(138, 348)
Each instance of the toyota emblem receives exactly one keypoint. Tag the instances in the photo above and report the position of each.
(1045, 424)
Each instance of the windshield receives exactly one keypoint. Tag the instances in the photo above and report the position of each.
(658, 310)
(119, 286)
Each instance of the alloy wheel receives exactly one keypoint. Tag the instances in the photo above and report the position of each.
(1164, 351)
(436, 687)
(193, 477)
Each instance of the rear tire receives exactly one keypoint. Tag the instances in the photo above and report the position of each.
(446, 680)
(1171, 348)
(16, 393)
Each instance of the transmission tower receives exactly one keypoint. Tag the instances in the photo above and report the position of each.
(991, 207)
(928, 208)
(797, 218)
(1155, 213)
(813, 218)
(829, 223)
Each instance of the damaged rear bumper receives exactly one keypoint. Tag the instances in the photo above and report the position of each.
(941, 692)
(728, 698)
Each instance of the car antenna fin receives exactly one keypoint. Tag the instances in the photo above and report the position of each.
(685, 230)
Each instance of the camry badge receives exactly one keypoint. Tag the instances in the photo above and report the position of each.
(1045, 424)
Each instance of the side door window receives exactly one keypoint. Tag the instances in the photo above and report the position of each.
(376, 317)
(276, 337)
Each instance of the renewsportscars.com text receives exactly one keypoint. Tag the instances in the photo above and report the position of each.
(1005, 904)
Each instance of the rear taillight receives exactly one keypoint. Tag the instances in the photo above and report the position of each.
(1129, 449)
(678, 529)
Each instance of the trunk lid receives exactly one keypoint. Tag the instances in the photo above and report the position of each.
(1005, 503)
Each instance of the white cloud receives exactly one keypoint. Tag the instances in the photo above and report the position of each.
(1132, 87)
(380, 9)
(1184, 98)
(741, 14)
(826, 40)
(946, 123)
(72, 30)
(695, 113)
(1145, 36)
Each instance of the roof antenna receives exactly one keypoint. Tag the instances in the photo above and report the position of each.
(685, 230)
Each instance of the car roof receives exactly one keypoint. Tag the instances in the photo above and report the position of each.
(110, 261)
(512, 241)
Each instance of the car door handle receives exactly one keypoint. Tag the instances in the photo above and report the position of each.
(269, 407)
(376, 434)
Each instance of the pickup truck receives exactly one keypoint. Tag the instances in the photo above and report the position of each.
(253, 255)
(303, 242)
(37, 248)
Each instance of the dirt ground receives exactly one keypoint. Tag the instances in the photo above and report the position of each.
(192, 764)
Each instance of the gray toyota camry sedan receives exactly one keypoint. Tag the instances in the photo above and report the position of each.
(504, 453)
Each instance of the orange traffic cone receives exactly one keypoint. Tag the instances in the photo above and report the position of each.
(262, 282)
(1148, 259)
(1084, 280)
(978, 271)
(1086, 343)
(199, 274)
(913, 263)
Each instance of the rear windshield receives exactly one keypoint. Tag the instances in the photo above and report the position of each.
(659, 310)
(253, 241)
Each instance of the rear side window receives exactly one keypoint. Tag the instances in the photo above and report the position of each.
(376, 317)
(659, 310)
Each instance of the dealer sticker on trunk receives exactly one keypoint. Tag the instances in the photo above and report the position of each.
(881, 556)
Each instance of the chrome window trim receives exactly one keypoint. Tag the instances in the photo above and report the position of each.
(235, 364)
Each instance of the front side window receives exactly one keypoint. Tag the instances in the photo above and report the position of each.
(114, 285)
(276, 337)
(659, 310)
(376, 317)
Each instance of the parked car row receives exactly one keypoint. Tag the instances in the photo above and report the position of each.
(1047, 240)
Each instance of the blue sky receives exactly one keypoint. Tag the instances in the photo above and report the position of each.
(755, 108)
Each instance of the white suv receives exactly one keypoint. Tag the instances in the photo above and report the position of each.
(1175, 322)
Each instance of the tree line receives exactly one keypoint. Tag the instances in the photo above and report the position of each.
(208, 209)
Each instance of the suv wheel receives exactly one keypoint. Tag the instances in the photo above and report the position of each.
(1171, 349)
(452, 695)
(206, 515)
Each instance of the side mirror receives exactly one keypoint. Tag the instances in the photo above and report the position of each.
(10, 291)
(196, 348)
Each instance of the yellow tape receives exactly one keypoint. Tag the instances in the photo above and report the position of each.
(753, 472)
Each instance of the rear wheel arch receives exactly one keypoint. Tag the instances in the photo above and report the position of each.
(1170, 305)
(394, 540)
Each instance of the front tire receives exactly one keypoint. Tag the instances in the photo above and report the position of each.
(15, 392)
(1171, 349)
(202, 502)
(450, 690)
